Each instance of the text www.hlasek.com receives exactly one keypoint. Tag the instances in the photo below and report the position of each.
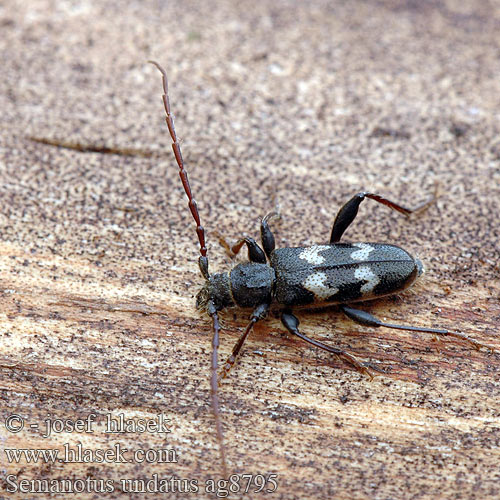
(78, 454)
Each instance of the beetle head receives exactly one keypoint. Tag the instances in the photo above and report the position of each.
(216, 291)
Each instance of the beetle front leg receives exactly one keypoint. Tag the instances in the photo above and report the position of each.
(348, 212)
(255, 253)
(367, 319)
(291, 323)
(260, 312)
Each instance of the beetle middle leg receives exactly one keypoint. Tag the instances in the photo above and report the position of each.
(266, 234)
(348, 212)
(367, 319)
(291, 323)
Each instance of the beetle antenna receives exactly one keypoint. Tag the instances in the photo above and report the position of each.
(193, 206)
(203, 262)
(214, 384)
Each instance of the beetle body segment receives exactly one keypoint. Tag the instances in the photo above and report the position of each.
(341, 273)
(252, 284)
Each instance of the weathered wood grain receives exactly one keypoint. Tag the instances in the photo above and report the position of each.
(304, 105)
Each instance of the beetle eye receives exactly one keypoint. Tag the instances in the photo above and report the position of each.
(202, 298)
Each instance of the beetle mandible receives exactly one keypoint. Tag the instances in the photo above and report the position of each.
(335, 273)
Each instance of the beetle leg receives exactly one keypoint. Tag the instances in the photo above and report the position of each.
(260, 312)
(349, 211)
(367, 319)
(255, 253)
(266, 234)
(291, 323)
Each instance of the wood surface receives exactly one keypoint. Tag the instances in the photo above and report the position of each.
(298, 103)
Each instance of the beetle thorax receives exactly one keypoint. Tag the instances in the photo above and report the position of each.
(252, 284)
(246, 285)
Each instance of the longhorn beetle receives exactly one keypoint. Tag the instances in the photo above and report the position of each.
(336, 273)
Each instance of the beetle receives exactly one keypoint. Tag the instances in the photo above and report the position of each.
(319, 275)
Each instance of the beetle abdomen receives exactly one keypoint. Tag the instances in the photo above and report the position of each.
(342, 272)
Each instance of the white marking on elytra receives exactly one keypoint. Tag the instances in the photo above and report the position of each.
(311, 254)
(315, 283)
(364, 251)
(364, 273)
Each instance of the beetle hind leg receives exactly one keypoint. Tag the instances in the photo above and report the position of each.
(349, 210)
(291, 323)
(367, 319)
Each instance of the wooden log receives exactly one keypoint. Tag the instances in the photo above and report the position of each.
(302, 105)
